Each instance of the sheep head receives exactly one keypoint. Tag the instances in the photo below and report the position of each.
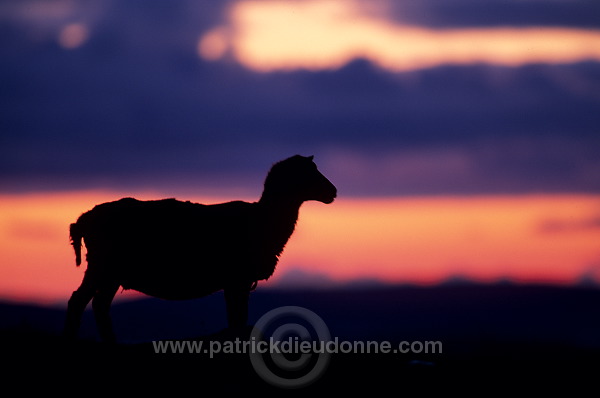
(298, 178)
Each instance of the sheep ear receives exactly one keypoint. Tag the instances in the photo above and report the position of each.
(311, 157)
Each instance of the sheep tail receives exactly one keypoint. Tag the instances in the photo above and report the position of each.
(76, 237)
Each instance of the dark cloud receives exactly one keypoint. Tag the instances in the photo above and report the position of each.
(135, 107)
(475, 13)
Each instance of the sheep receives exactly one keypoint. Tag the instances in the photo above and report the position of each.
(178, 250)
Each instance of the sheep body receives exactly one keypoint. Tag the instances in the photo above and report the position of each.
(177, 250)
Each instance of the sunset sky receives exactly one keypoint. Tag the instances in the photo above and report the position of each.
(463, 136)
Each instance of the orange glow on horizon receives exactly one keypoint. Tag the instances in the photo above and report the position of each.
(412, 240)
(326, 34)
(428, 240)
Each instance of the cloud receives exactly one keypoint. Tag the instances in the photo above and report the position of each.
(493, 13)
(299, 278)
(566, 226)
(134, 106)
(591, 276)
(317, 34)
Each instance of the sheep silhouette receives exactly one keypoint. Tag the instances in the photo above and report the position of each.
(179, 250)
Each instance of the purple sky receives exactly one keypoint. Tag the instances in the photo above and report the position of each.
(135, 107)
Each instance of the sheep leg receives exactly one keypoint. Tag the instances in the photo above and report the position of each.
(76, 306)
(101, 306)
(236, 300)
